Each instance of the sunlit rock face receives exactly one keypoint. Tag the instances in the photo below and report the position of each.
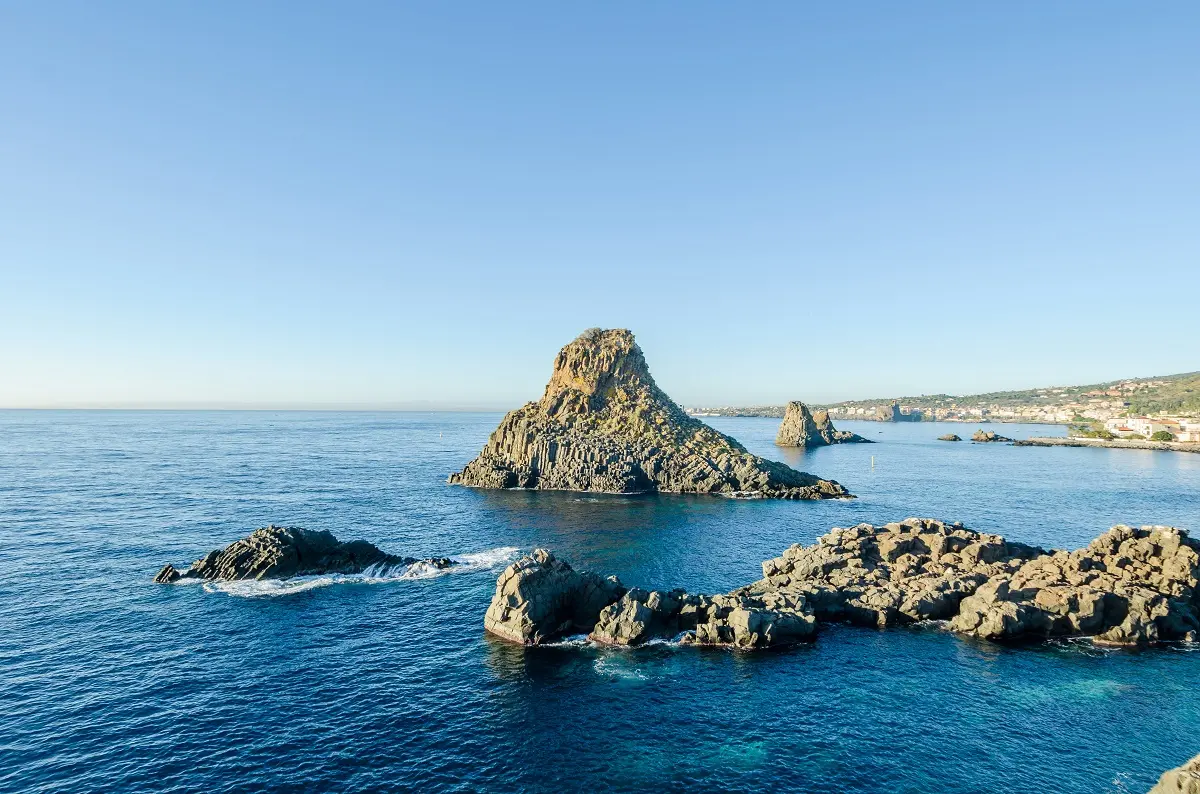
(604, 425)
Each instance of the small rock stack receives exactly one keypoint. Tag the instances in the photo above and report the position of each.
(802, 427)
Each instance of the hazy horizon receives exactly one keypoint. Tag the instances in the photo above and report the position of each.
(387, 204)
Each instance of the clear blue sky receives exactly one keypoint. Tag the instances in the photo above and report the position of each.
(387, 203)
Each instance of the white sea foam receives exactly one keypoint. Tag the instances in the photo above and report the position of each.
(615, 667)
(376, 574)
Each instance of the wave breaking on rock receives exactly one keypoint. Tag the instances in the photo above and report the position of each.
(604, 425)
(286, 552)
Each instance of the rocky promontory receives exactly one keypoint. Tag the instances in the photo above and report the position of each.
(802, 427)
(1128, 587)
(989, 436)
(1180, 780)
(604, 425)
(281, 552)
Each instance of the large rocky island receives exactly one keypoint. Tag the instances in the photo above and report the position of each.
(604, 425)
(802, 427)
(1128, 587)
(282, 552)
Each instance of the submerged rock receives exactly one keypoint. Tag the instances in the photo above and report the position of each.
(604, 425)
(1180, 780)
(950, 437)
(988, 436)
(1128, 587)
(539, 598)
(280, 552)
(804, 428)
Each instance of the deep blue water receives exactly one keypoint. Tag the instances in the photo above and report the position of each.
(111, 683)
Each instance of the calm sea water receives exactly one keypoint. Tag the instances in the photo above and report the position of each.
(111, 683)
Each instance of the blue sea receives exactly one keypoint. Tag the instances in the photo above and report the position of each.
(111, 683)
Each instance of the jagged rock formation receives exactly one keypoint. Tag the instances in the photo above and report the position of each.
(539, 598)
(734, 621)
(804, 428)
(988, 436)
(1128, 587)
(950, 437)
(280, 552)
(918, 569)
(1180, 780)
(603, 425)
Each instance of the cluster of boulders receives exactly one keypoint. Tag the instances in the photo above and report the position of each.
(1180, 780)
(604, 425)
(1128, 587)
(802, 427)
(540, 598)
(281, 552)
(950, 437)
(989, 436)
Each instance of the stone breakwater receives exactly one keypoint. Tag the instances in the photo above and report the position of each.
(604, 425)
(1130, 586)
(802, 427)
(281, 552)
(1180, 780)
(1116, 443)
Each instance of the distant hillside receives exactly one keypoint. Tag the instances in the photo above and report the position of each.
(1169, 394)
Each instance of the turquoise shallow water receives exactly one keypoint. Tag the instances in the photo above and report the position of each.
(110, 683)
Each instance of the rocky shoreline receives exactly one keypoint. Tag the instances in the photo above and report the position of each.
(1116, 443)
(604, 425)
(1128, 587)
(1183, 779)
(282, 552)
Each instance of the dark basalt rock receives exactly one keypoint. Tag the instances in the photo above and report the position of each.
(989, 436)
(950, 437)
(604, 425)
(1128, 587)
(280, 552)
(804, 428)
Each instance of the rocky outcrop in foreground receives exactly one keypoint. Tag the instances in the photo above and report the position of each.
(804, 428)
(603, 425)
(1128, 587)
(280, 552)
(1180, 780)
(988, 436)
(950, 437)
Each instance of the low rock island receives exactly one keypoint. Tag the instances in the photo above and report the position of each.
(989, 437)
(1128, 587)
(950, 437)
(281, 552)
(802, 427)
(604, 425)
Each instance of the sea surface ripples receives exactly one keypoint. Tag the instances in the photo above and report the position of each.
(112, 683)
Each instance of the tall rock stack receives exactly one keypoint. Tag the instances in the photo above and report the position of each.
(804, 428)
(604, 425)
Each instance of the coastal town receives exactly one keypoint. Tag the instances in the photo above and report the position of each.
(1165, 408)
